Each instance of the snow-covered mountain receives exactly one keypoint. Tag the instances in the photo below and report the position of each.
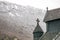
(19, 20)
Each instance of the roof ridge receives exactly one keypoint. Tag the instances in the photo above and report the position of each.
(38, 28)
(52, 15)
(54, 9)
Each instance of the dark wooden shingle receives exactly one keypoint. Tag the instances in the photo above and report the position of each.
(52, 15)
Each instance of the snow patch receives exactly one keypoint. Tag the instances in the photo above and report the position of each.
(17, 14)
(11, 14)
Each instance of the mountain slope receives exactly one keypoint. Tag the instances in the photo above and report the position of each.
(17, 20)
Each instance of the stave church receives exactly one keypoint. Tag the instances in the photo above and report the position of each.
(52, 20)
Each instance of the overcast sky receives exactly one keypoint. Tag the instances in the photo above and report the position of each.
(38, 3)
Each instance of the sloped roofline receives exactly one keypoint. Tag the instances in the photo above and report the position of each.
(38, 28)
(50, 15)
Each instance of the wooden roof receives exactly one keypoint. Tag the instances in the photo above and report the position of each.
(38, 28)
(52, 15)
(48, 36)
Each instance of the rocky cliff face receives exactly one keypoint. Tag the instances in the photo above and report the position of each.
(17, 20)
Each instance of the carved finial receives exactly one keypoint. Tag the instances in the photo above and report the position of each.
(37, 21)
(47, 9)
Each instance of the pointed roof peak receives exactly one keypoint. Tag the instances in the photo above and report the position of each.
(38, 28)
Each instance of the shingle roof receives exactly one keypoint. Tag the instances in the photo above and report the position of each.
(38, 28)
(57, 37)
(48, 36)
(52, 15)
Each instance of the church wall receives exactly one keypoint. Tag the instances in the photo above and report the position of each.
(53, 26)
